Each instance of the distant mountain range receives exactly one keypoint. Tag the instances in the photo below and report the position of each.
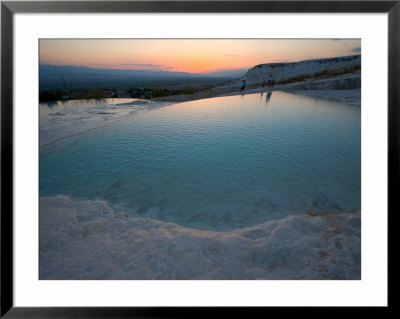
(52, 76)
(51, 72)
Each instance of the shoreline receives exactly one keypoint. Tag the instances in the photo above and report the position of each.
(345, 89)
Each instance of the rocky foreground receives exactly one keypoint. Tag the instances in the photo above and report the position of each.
(90, 240)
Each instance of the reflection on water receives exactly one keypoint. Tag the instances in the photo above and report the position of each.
(220, 163)
(269, 94)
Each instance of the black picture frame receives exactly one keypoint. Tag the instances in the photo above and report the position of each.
(9, 8)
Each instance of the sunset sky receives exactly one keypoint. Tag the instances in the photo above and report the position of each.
(195, 56)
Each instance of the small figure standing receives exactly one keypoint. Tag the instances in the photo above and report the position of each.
(270, 80)
(264, 82)
(243, 85)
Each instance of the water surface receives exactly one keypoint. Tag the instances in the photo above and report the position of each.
(220, 163)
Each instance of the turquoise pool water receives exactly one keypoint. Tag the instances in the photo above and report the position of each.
(220, 163)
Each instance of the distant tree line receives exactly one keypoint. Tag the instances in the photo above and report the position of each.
(158, 92)
(62, 95)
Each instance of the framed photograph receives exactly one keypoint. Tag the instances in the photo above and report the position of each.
(161, 158)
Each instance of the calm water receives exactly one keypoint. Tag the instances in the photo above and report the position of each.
(219, 163)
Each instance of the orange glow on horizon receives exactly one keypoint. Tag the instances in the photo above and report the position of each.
(189, 55)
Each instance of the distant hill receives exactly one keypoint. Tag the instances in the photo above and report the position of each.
(288, 72)
(51, 76)
(51, 72)
(227, 73)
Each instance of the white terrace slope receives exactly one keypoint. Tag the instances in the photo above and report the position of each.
(282, 71)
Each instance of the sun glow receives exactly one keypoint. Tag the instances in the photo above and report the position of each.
(189, 55)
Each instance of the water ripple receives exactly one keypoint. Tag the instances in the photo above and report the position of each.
(219, 163)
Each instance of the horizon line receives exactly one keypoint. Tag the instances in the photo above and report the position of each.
(207, 72)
